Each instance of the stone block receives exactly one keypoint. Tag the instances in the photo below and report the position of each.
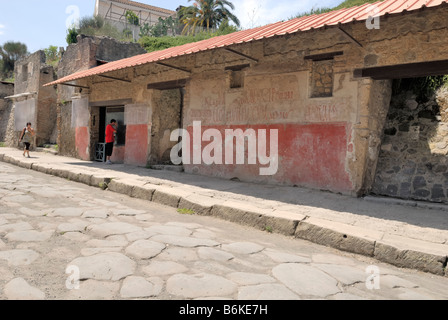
(143, 192)
(411, 253)
(166, 198)
(262, 219)
(338, 235)
(197, 208)
(121, 187)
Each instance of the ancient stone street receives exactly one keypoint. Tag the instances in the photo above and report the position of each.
(54, 232)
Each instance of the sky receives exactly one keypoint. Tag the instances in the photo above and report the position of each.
(41, 23)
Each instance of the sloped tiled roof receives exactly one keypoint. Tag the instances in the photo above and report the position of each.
(342, 16)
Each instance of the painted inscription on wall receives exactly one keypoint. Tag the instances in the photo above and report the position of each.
(322, 112)
(248, 106)
(265, 100)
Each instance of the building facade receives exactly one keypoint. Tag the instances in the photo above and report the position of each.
(32, 102)
(73, 114)
(6, 90)
(322, 93)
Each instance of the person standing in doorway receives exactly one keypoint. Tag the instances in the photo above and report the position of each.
(111, 131)
(27, 137)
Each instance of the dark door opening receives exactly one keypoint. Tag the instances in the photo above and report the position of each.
(106, 115)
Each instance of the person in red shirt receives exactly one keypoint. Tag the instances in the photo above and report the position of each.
(111, 129)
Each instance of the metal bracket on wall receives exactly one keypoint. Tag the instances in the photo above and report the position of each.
(241, 54)
(113, 78)
(350, 37)
(74, 85)
(172, 67)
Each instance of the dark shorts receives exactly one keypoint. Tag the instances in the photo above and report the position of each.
(109, 149)
(27, 145)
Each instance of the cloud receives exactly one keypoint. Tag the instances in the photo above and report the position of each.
(1, 29)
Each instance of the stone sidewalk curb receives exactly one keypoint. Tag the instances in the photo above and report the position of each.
(399, 251)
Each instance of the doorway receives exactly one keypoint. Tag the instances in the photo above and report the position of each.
(412, 162)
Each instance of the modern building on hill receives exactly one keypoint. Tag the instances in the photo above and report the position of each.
(114, 11)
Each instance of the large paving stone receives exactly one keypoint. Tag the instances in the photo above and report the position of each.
(186, 242)
(96, 213)
(106, 243)
(93, 251)
(95, 290)
(11, 227)
(127, 212)
(346, 275)
(179, 254)
(139, 287)
(162, 268)
(266, 292)
(5, 275)
(139, 235)
(19, 257)
(67, 212)
(104, 266)
(214, 254)
(199, 285)
(242, 247)
(283, 257)
(32, 212)
(21, 198)
(112, 228)
(19, 289)
(245, 278)
(145, 249)
(29, 236)
(171, 230)
(70, 227)
(305, 280)
(391, 281)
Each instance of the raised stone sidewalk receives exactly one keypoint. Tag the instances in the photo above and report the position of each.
(403, 233)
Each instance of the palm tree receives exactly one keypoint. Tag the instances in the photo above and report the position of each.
(207, 14)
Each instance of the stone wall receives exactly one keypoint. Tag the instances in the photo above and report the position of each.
(46, 123)
(413, 159)
(32, 101)
(88, 52)
(27, 72)
(66, 134)
(322, 78)
(165, 119)
(6, 90)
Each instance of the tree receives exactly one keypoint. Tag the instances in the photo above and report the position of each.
(10, 52)
(206, 14)
(132, 18)
(52, 55)
(94, 26)
(72, 35)
(162, 28)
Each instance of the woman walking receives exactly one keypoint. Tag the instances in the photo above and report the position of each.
(27, 137)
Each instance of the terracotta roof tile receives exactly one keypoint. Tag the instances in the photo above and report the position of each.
(305, 23)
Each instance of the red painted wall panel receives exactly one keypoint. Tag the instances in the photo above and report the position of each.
(310, 155)
(118, 154)
(82, 139)
(136, 144)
